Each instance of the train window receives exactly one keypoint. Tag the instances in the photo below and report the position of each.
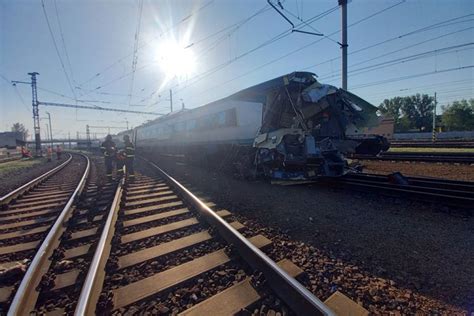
(221, 119)
(191, 125)
(231, 117)
(203, 123)
(179, 127)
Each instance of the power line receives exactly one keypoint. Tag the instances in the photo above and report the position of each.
(420, 30)
(370, 84)
(404, 48)
(401, 60)
(5, 78)
(16, 90)
(266, 43)
(145, 44)
(56, 93)
(297, 50)
(309, 25)
(62, 39)
(95, 107)
(236, 26)
(433, 86)
(135, 49)
(57, 50)
(233, 28)
(21, 98)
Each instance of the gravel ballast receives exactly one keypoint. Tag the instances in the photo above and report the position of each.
(416, 247)
(449, 171)
(24, 171)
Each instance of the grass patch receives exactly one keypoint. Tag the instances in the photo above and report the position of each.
(430, 150)
(10, 166)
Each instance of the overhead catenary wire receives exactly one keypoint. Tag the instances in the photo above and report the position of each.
(231, 29)
(121, 59)
(21, 99)
(16, 90)
(63, 41)
(398, 37)
(135, 50)
(296, 50)
(246, 53)
(405, 48)
(57, 50)
(435, 86)
(401, 60)
(5, 79)
(375, 83)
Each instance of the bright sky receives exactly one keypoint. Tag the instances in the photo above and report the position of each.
(205, 50)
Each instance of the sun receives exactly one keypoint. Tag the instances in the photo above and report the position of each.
(176, 60)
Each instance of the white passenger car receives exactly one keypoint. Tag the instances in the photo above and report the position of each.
(221, 122)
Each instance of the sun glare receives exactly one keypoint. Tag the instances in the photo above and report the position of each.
(176, 60)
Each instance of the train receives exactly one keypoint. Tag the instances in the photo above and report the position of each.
(291, 127)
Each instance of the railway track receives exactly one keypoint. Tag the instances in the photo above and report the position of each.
(148, 246)
(430, 144)
(446, 192)
(462, 158)
(10, 158)
(31, 222)
(162, 250)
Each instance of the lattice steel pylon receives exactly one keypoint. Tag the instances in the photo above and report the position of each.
(36, 120)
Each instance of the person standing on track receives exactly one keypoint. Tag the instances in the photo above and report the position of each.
(129, 157)
(59, 151)
(109, 150)
(49, 153)
(120, 162)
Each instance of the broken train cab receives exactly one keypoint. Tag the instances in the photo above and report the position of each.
(307, 127)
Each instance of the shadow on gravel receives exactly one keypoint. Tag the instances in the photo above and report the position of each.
(418, 245)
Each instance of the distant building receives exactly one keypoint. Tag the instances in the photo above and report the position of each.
(11, 139)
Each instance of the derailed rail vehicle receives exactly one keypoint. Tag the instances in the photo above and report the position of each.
(291, 127)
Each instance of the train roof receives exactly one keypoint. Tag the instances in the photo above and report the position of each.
(259, 92)
(256, 93)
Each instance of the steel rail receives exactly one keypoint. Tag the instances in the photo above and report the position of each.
(93, 283)
(449, 192)
(421, 157)
(298, 298)
(26, 296)
(7, 198)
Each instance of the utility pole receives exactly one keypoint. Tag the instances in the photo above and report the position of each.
(433, 135)
(50, 129)
(126, 121)
(88, 135)
(36, 120)
(343, 4)
(69, 138)
(47, 132)
(182, 104)
(171, 100)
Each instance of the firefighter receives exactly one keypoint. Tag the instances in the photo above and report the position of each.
(49, 153)
(120, 162)
(129, 157)
(58, 152)
(109, 150)
(24, 152)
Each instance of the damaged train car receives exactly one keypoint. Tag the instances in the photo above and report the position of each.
(291, 127)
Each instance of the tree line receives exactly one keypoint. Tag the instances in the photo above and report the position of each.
(415, 112)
